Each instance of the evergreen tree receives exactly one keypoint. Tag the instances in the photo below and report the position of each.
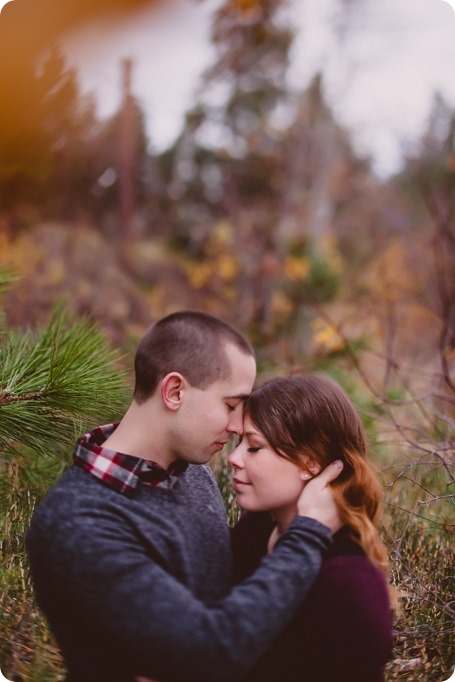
(70, 126)
(429, 177)
(227, 166)
(46, 131)
(227, 161)
(55, 156)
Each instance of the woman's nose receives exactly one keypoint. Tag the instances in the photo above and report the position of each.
(234, 459)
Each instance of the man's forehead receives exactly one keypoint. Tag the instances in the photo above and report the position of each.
(242, 376)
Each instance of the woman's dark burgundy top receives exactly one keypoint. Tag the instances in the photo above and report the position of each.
(343, 630)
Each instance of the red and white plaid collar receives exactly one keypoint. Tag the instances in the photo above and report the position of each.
(119, 471)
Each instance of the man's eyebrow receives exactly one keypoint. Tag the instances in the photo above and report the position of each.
(239, 396)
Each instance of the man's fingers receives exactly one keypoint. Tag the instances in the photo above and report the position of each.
(317, 501)
(330, 473)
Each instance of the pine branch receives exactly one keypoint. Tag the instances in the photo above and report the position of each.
(57, 383)
(6, 278)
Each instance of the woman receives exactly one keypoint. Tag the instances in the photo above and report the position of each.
(293, 427)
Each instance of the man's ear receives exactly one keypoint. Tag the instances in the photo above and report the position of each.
(171, 390)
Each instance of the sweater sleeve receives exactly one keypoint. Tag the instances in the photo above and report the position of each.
(120, 592)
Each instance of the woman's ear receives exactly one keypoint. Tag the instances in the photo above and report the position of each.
(313, 467)
(171, 390)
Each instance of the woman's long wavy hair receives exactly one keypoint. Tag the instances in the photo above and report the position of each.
(312, 415)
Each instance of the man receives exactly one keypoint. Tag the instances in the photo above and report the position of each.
(129, 552)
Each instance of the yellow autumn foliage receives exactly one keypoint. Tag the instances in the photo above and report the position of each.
(226, 267)
(16, 254)
(296, 268)
(332, 255)
(223, 266)
(198, 274)
(390, 276)
(280, 304)
(325, 337)
(222, 233)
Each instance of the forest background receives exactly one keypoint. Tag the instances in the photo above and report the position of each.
(275, 223)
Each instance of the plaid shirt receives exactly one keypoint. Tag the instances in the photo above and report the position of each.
(121, 472)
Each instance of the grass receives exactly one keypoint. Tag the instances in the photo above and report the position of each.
(424, 627)
(419, 529)
(27, 649)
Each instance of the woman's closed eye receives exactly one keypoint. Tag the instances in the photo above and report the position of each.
(253, 449)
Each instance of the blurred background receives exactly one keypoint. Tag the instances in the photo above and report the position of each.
(288, 165)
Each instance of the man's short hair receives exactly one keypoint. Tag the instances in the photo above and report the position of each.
(189, 342)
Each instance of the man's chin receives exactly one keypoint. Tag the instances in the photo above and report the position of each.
(204, 457)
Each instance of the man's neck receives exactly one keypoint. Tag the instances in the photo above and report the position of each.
(137, 435)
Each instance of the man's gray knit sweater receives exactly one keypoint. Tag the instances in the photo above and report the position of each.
(141, 585)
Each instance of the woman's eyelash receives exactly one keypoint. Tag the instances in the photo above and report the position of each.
(253, 449)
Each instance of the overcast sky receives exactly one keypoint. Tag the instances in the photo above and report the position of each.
(380, 72)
